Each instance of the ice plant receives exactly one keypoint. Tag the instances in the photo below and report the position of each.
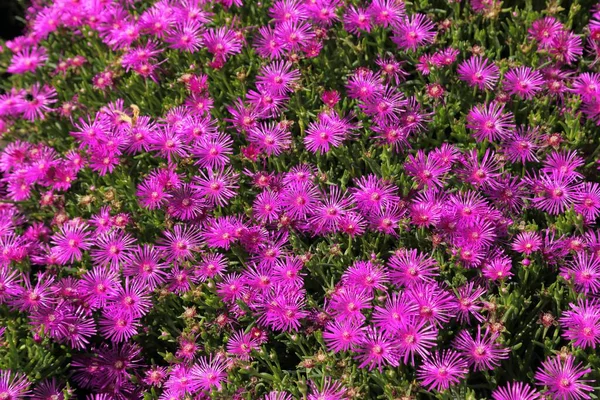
(317, 199)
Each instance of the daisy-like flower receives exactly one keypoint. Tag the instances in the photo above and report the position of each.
(70, 242)
(566, 47)
(394, 315)
(241, 345)
(587, 200)
(556, 195)
(270, 138)
(386, 12)
(322, 135)
(515, 391)
(490, 122)
(409, 267)
(288, 10)
(545, 30)
(349, 302)
(386, 106)
(523, 82)
(468, 303)
(213, 150)
(132, 298)
(416, 337)
(442, 369)
(218, 186)
(479, 72)
(27, 60)
(521, 145)
(13, 385)
(37, 102)
(179, 244)
(329, 390)
(562, 377)
(114, 249)
(413, 32)
(10, 281)
(432, 303)
(277, 396)
(211, 266)
(357, 20)
(343, 334)
(482, 351)
(527, 242)
(185, 36)
(118, 327)
(372, 193)
(365, 275)
(277, 78)
(585, 272)
(563, 163)
(480, 173)
(377, 350)
(221, 43)
(266, 43)
(209, 373)
(299, 198)
(364, 85)
(327, 214)
(581, 323)
(292, 36)
(426, 170)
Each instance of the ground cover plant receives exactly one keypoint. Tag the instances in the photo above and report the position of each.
(301, 199)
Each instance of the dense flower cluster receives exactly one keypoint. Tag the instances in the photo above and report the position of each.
(316, 199)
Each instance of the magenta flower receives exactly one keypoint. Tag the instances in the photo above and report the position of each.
(27, 60)
(563, 378)
(523, 82)
(386, 12)
(344, 334)
(70, 242)
(545, 30)
(584, 270)
(356, 20)
(221, 43)
(217, 186)
(277, 78)
(490, 122)
(413, 32)
(364, 275)
(114, 249)
(377, 350)
(118, 327)
(442, 369)
(179, 244)
(416, 337)
(482, 351)
(409, 267)
(328, 390)
(13, 385)
(479, 72)
(581, 323)
(395, 314)
(516, 391)
(372, 193)
(209, 373)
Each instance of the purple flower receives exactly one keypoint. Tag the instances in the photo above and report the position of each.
(516, 391)
(563, 378)
(442, 369)
(482, 351)
(413, 32)
(479, 72)
(523, 82)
